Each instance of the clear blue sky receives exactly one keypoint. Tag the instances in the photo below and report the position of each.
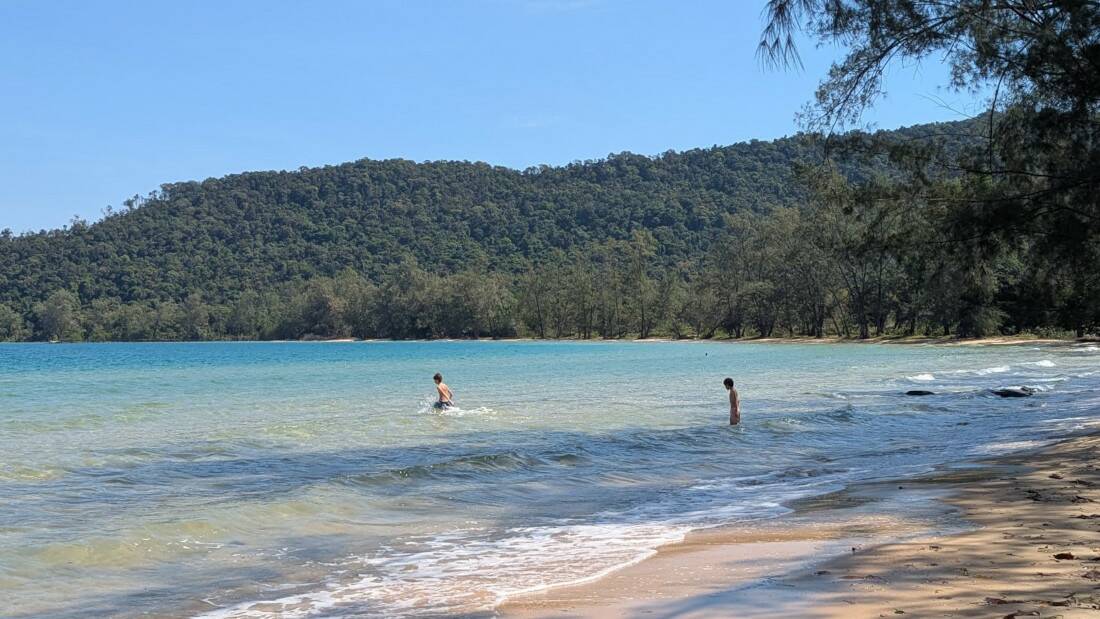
(103, 100)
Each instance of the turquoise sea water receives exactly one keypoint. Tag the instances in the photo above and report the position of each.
(296, 480)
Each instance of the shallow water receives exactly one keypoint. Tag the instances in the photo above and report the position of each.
(295, 480)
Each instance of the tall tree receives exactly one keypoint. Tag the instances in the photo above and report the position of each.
(642, 248)
(195, 318)
(12, 326)
(59, 317)
(1037, 171)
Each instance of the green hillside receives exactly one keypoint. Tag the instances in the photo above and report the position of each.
(628, 245)
(261, 228)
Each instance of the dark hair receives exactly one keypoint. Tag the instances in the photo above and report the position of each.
(728, 382)
(438, 377)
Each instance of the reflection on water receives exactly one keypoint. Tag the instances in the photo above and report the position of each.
(288, 480)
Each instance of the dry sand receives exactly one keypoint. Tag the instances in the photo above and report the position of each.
(1008, 340)
(1030, 548)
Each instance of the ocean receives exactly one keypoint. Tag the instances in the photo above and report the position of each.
(284, 480)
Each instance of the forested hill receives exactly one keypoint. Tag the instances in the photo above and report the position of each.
(624, 245)
(260, 228)
(253, 230)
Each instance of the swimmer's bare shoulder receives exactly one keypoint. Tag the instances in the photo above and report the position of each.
(735, 402)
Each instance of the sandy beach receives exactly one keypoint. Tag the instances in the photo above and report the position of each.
(1015, 536)
(1007, 340)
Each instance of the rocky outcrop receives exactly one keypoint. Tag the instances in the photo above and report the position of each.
(1015, 392)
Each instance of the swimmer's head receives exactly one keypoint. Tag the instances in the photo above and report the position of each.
(438, 378)
(728, 382)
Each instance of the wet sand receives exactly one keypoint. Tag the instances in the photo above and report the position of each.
(1016, 536)
(1008, 340)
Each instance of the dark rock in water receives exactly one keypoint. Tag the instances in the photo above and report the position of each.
(919, 392)
(1014, 392)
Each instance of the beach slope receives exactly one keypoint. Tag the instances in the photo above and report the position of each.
(1033, 550)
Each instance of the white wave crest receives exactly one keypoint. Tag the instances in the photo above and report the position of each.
(457, 572)
(455, 411)
(427, 407)
(469, 570)
(1012, 446)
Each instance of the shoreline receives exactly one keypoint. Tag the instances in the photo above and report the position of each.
(975, 541)
(1008, 340)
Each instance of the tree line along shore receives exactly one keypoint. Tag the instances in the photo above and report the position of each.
(763, 239)
(832, 268)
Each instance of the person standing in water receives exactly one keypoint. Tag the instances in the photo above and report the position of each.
(735, 402)
(446, 398)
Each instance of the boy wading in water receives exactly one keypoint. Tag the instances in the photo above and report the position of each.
(735, 402)
(445, 395)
